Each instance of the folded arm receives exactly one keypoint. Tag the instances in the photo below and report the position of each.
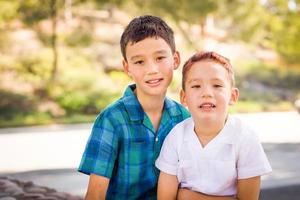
(185, 194)
(247, 189)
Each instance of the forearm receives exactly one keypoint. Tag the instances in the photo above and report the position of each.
(185, 194)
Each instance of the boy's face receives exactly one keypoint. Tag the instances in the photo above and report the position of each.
(150, 63)
(208, 92)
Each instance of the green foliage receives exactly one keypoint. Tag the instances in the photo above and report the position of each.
(45, 38)
(35, 67)
(268, 84)
(192, 11)
(79, 92)
(11, 103)
(5, 40)
(25, 119)
(81, 89)
(119, 78)
(32, 11)
(287, 39)
(81, 36)
(271, 24)
(85, 102)
(8, 10)
(273, 76)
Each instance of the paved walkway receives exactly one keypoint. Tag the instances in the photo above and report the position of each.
(48, 156)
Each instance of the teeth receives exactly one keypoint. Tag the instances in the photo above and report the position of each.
(207, 105)
(153, 81)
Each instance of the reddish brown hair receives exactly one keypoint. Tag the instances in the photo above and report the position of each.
(207, 56)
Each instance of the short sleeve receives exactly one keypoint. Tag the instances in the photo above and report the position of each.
(252, 160)
(101, 149)
(167, 160)
(185, 113)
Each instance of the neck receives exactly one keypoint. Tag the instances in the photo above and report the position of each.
(151, 103)
(207, 131)
(153, 107)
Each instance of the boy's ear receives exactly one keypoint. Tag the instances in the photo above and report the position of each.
(234, 96)
(182, 98)
(176, 57)
(125, 67)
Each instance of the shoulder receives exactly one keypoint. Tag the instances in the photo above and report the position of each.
(112, 113)
(180, 129)
(176, 109)
(184, 125)
(240, 128)
(242, 132)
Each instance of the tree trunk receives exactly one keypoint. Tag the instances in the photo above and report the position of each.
(54, 40)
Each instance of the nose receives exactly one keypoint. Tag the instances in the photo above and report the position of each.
(206, 92)
(153, 68)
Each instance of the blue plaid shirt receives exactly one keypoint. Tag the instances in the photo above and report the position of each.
(123, 146)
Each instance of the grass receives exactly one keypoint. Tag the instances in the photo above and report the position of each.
(38, 118)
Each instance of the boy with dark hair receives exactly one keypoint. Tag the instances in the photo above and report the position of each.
(127, 136)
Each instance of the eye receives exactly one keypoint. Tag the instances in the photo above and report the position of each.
(195, 86)
(138, 62)
(218, 85)
(160, 58)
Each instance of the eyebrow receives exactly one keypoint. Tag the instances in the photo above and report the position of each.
(197, 79)
(135, 57)
(160, 52)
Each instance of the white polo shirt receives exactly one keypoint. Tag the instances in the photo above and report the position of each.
(235, 153)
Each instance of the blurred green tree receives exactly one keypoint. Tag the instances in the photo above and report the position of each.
(271, 23)
(8, 10)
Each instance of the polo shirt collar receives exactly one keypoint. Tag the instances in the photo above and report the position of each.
(135, 110)
(132, 105)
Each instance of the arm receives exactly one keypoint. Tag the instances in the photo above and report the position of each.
(248, 188)
(97, 187)
(185, 194)
(167, 186)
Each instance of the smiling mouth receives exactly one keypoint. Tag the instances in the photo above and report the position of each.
(207, 105)
(154, 81)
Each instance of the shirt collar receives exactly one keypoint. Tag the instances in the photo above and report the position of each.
(225, 136)
(135, 110)
(132, 105)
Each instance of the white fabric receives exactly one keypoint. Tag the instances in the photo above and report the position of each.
(235, 153)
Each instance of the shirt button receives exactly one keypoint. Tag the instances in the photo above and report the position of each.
(156, 139)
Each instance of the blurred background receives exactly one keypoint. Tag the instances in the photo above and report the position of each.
(60, 63)
(60, 60)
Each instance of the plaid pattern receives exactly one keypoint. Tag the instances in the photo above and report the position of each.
(123, 146)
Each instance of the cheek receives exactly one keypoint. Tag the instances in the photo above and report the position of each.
(135, 75)
(191, 98)
(166, 65)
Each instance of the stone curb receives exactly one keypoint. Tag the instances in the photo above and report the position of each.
(13, 189)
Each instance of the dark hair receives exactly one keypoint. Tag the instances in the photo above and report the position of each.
(144, 27)
(209, 56)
